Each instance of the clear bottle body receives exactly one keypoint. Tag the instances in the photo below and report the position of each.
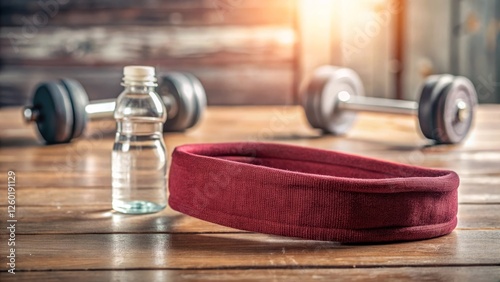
(139, 159)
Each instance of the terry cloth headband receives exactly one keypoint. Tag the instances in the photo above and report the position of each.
(311, 193)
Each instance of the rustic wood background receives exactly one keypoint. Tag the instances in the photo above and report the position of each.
(242, 50)
(249, 51)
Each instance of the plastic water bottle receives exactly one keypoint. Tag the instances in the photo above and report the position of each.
(139, 157)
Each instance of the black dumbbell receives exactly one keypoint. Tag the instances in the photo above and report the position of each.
(445, 110)
(61, 108)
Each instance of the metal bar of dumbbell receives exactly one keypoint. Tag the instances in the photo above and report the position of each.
(445, 109)
(101, 109)
(349, 102)
(98, 109)
(61, 108)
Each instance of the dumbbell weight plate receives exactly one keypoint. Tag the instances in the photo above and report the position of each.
(174, 84)
(55, 122)
(79, 100)
(449, 128)
(190, 105)
(427, 106)
(321, 98)
(201, 98)
(309, 98)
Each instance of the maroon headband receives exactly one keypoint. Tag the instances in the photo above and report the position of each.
(310, 193)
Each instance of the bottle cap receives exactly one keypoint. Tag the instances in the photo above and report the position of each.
(139, 73)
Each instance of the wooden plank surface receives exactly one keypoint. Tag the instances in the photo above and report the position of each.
(67, 230)
(475, 273)
(245, 250)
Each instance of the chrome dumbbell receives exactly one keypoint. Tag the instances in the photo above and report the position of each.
(445, 110)
(61, 108)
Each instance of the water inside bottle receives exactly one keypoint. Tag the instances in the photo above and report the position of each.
(139, 167)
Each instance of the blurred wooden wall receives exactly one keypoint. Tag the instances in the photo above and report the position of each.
(461, 37)
(243, 51)
(478, 39)
(249, 52)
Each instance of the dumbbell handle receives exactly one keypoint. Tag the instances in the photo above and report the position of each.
(377, 105)
(391, 106)
(102, 109)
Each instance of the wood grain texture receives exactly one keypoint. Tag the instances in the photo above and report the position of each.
(162, 13)
(224, 85)
(160, 46)
(245, 250)
(243, 51)
(66, 229)
(475, 273)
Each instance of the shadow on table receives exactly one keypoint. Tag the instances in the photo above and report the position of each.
(252, 243)
(17, 142)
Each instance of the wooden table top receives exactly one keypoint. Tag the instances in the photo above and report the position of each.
(66, 229)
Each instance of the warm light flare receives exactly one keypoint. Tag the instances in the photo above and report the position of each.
(353, 25)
